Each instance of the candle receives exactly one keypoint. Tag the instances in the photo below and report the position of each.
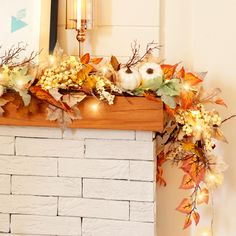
(81, 12)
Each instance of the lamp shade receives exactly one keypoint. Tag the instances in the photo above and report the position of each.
(75, 13)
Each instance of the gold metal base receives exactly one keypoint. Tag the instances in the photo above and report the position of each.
(81, 36)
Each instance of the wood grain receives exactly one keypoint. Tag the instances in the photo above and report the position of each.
(128, 113)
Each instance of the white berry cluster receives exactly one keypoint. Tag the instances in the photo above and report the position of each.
(62, 76)
(198, 124)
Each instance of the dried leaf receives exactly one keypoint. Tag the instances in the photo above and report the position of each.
(181, 73)
(185, 206)
(187, 222)
(191, 79)
(115, 63)
(96, 60)
(187, 182)
(168, 70)
(85, 58)
(73, 99)
(218, 134)
(45, 96)
(3, 102)
(54, 92)
(196, 217)
(220, 101)
(203, 196)
(186, 98)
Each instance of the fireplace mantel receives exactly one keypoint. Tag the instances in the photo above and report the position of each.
(128, 113)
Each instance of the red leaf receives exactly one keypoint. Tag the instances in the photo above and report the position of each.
(196, 217)
(96, 60)
(220, 101)
(168, 70)
(191, 79)
(85, 58)
(181, 73)
(187, 182)
(185, 206)
(203, 196)
(187, 222)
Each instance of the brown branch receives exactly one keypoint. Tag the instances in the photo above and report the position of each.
(14, 53)
(135, 59)
(228, 119)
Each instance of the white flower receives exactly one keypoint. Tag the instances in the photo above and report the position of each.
(150, 71)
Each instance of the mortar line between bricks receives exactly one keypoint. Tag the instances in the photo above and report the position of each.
(10, 223)
(14, 146)
(10, 184)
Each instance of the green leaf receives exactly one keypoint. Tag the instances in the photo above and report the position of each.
(152, 84)
(169, 101)
(169, 88)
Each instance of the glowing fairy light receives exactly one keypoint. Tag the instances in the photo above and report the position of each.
(206, 232)
(94, 107)
(198, 128)
(186, 86)
(20, 83)
(52, 60)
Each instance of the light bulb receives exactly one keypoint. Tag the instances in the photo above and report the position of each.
(206, 232)
(186, 86)
(20, 83)
(94, 107)
(52, 60)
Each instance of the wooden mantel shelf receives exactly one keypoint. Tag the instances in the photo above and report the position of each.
(128, 113)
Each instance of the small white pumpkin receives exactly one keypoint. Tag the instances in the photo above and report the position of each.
(150, 71)
(129, 78)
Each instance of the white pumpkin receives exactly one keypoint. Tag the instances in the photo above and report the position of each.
(129, 78)
(150, 71)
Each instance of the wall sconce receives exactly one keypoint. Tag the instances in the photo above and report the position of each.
(79, 16)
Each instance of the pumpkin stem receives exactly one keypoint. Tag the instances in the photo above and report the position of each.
(129, 71)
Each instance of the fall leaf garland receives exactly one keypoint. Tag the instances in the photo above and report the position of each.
(188, 137)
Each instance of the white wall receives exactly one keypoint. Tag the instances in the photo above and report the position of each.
(202, 34)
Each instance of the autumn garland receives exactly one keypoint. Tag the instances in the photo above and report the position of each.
(188, 137)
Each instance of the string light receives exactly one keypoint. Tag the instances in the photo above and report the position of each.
(52, 59)
(186, 86)
(94, 107)
(206, 232)
(20, 83)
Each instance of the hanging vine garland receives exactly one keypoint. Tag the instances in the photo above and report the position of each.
(190, 129)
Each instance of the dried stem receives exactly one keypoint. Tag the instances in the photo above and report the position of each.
(228, 119)
(14, 53)
(135, 59)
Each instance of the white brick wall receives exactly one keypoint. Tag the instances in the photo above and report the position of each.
(86, 182)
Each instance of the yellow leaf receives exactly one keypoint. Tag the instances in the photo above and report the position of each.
(185, 206)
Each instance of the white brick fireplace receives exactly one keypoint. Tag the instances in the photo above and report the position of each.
(85, 182)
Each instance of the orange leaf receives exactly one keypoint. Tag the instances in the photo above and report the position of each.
(115, 63)
(185, 206)
(220, 101)
(96, 60)
(196, 217)
(197, 173)
(85, 58)
(203, 196)
(191, 79)
(168, 70)
(181, 73)
(187, 182)
(41, 94)
(169, 110)
(187, 222)
(159, 177)
(186, 98)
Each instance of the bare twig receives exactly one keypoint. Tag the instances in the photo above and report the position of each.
(14, 53)
(228, 119)
(135, 59)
